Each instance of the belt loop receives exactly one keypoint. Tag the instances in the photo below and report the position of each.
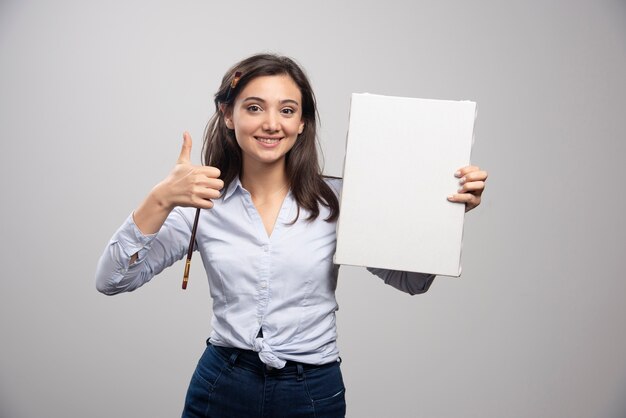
(300, 370)
(233, 359)
(208, 341)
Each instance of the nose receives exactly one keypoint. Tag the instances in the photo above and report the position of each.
(271, 122)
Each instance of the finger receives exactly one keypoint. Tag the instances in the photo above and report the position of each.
(201, 203)
(479, 175)
(206, 193)
(211, 172)
(461, 197)
(467, 169)
(470, 200)
(185, 152)
(215, 184)
(476, 187)
(208, 183)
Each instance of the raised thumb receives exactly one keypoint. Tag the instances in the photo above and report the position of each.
(185, 152)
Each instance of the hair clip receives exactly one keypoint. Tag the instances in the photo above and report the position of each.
(233, 84)
(236, 78)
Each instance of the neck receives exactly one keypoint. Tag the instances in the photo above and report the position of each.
(263, 179)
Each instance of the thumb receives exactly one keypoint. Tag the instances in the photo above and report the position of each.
(185, 152)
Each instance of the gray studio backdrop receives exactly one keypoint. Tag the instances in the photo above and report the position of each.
(94, 97)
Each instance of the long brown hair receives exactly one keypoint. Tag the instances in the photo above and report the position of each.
(220, 148)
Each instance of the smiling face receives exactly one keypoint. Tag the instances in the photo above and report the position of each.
(267, 119)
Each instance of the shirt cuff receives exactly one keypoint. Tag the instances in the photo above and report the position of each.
(131, 240)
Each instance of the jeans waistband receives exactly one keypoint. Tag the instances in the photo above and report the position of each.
(250, 360)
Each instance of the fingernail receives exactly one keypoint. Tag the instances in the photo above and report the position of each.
(462, 181)
(458, 174)
(451, 197)
(460, 190)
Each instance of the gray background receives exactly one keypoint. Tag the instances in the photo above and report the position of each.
(93, 101)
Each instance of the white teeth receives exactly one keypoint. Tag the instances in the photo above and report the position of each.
(268, 140)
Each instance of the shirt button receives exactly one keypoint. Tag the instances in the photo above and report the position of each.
(266, 248)
(263, 284)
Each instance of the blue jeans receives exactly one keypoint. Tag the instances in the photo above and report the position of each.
(230, 382)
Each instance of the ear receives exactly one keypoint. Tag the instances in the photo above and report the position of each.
(227, 115)
(301, 128)
(229, 122)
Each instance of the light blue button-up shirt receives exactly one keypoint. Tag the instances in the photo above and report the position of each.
(282, 285)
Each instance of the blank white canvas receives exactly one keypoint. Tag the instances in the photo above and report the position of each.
(399, 169)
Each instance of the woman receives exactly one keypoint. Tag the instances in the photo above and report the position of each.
(267, 239)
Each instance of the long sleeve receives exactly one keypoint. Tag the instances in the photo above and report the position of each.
(155, 252)
(408, 282)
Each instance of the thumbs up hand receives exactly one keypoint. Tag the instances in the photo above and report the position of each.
(188, 184)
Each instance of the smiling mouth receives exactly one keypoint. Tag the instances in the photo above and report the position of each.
(267, 140)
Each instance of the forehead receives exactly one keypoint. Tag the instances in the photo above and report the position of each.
(272, 87)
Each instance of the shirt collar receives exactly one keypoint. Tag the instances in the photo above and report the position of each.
(232, 187)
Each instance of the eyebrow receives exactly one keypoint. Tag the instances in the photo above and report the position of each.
(258, 99)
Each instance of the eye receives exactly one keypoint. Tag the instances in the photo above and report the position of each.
(288, 111)
(254, 108)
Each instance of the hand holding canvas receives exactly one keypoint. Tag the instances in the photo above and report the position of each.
(472, 180)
